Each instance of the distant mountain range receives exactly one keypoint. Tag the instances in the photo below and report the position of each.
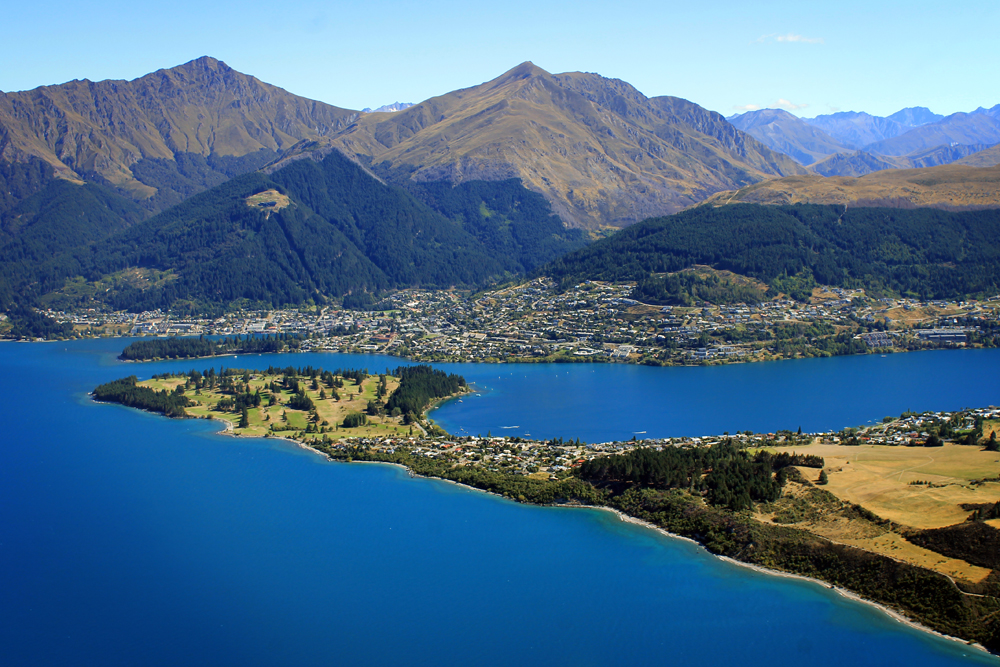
(854, 144)
(790, 135)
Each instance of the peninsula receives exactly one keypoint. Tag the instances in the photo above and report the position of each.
(786, 501)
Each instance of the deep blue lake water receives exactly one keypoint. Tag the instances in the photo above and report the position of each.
(130, 539)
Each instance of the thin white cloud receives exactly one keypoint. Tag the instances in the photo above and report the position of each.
(746, 107)
(790, 37)
(782, 103)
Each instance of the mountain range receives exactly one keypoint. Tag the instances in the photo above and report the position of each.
(602, 153)
(199, 187)
(856, 143)
(389, 108)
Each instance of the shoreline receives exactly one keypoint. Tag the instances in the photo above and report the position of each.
(843, 592)
(720, 361)
(627, 518)
(229, 431)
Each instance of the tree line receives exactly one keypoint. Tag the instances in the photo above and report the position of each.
(419, 386)
(126, 392)
(187, 348)
(920, 253)
(726, 475)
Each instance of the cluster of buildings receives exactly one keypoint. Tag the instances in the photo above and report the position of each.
(547, 459)
(917, 428)
(591, 321)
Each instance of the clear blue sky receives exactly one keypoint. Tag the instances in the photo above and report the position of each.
(811, 58)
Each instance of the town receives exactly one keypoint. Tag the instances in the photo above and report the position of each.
(593, 321)
(551, 459)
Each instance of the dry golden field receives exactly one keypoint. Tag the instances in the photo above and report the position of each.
(878, 478)
(949, 185)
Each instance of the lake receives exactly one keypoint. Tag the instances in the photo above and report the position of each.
(127, 538)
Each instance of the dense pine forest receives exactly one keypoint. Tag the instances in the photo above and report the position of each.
(126, 392)
(190, 348)
(921, 253)
(344, 235)
(725, 474)
(419, 386)
(510, 221)
(347, 236)
(685, 289)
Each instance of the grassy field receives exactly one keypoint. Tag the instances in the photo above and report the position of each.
(280, 420)
(269, 201)
(878, 478)
(991, 426)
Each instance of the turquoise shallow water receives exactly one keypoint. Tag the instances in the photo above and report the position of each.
(127, 539)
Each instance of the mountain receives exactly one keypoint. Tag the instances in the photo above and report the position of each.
(600, 151)
(993, 112)
(781, 131)
(310, 231)
(940, 155)
(860, 163)
(86, 129)
(856, 143)
(946, 186)
(915, 116)
(923, 252)
(989, 157)
(855, 164)
(857, 129)
(958, 128)
(389, 108)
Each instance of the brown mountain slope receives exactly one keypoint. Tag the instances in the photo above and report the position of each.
(203, 106)
(600, 151)
(984, 158)
(947, 186)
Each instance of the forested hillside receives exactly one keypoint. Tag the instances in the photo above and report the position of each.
(332, 231)
(927, 253)
(510, 221)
